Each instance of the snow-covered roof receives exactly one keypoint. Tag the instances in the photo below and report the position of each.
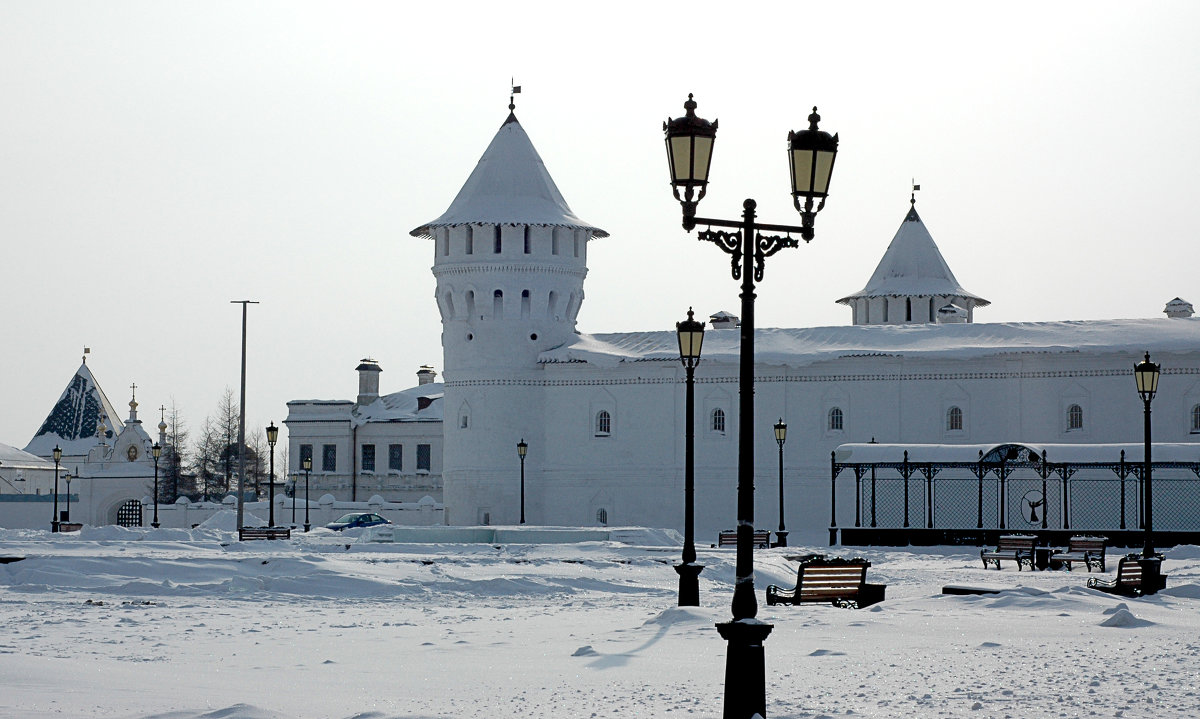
(415, 404)
(807, 346)
(913, 266)
(509, 186)
(13, 458)
(71, 424)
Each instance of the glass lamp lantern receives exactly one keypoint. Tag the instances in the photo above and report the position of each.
(691, 338)
(1146, 373)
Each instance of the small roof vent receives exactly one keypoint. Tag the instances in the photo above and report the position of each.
(1178, 308)
(724, 321)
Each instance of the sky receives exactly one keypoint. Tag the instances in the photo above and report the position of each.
(192, 624)
(160, 160)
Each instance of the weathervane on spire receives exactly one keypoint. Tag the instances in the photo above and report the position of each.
(516, 90)
(86, 352)
(915, 188)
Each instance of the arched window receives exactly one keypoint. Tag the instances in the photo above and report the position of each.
(1196, 418)
(1074, 417)
(498, 305)
(603, 423)
(718, 420)
(954, 420)
(835, 419)
(602, 517)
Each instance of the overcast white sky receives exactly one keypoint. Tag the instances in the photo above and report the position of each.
(158, 160)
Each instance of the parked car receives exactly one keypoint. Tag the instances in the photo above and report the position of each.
(356, 519)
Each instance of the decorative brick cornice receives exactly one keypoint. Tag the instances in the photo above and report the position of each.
(459, 269)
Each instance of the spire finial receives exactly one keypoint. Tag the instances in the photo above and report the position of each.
(915, 188)
(86, 352)
(516, 90)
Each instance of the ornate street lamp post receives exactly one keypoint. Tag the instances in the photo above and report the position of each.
(1146, 373)
(781, 437)
(57, 458)
(307, 472)
(522, 450)
(155, 452)
(811, 155)
(272, 438)
(691, 337)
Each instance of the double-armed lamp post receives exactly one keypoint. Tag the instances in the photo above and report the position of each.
(811, 155)
(691, 337)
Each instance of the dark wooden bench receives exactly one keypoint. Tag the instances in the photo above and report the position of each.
(837, 581)
(1013, 547)
(1128, 581)
(1089, 550)
(264, 533)
(728, 538)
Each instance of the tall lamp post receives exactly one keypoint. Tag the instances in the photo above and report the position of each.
(1146, 373)
(811, 155)
(57, 458)
(272, 438)
(781, 437)
(522, 450)
(691, 337)
(156, 452)
(307, 472)
(67, 478)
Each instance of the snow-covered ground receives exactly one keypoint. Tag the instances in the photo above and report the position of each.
(179, 624)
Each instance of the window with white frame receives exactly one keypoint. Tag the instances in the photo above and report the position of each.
(603, 423)
(1196, 419)
(1074, 417)
(954, 419)
(835, 419)
(718, 421)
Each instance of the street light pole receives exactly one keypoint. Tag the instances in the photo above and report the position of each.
(1146, 373)
(691, 337)
(156, 452)
(307, 472)
(522, 449)
(67, 478)
(811, 154)
(781, 437)
(57, 458)
(272, 437)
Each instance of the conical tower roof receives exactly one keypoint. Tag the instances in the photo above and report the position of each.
(509, 186)
(72, 422)
(913, 266)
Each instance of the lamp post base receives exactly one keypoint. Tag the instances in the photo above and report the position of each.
(745, 668)
(781, 538)
(689, 583)
(1153, 579)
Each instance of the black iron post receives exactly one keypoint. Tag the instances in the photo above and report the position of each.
(690, 334)
(307, 472)
(54, 518)
(156, 452)
(272, 438)
(1146, 373)
(295, 491)
(522, 449)
(780, 437)
(67, 478)
(811, 153)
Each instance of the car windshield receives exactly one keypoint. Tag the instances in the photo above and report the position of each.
(347, 518)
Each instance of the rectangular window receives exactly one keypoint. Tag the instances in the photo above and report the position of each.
(423, 453)
(498, 247)
(329, 458)
(368, 458)
(305, 453)
(396, 457)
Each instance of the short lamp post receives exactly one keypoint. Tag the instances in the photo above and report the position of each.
(691, 338)
(57, 458)
(155, 452)
(307, 473)
(272, 438)
(811, 155)
(522, 450)
(67, 478)
(781, 437)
